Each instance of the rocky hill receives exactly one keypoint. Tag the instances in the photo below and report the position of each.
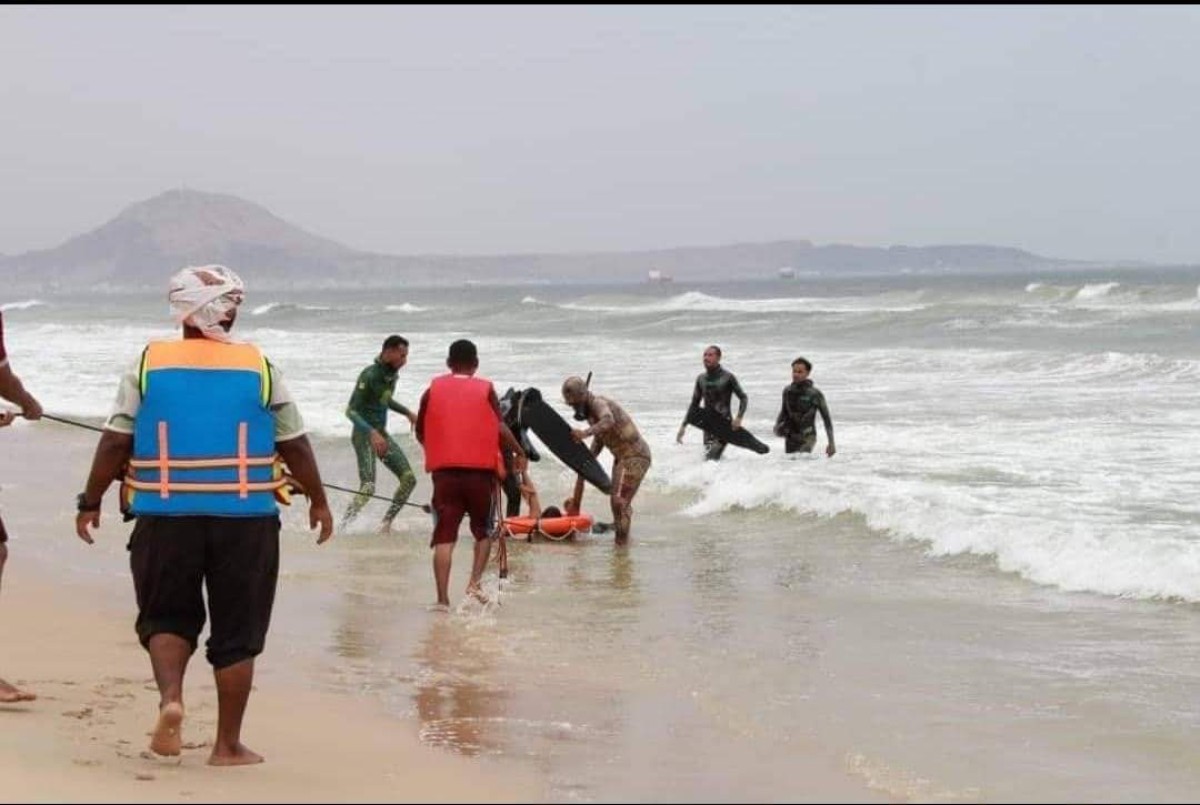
(188, 227)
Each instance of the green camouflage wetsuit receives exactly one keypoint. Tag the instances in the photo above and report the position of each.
(368, 410)
(716, 388)
(797, 418)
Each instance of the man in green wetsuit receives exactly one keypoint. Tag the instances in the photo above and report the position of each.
(797, 420)
(368, 410)
(715, 388)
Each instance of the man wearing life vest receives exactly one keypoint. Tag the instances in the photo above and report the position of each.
(198, 430)
(14, 391)
(613, 428)
(460, 426)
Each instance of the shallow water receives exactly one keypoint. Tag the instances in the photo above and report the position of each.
(989, 594)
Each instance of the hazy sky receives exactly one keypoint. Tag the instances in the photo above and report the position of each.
(1070, 131)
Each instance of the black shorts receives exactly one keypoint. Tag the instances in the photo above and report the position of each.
(235, 558)
(3, 533)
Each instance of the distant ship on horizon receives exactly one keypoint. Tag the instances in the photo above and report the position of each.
(658, 276)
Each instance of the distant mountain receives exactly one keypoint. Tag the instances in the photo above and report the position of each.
(152, 238)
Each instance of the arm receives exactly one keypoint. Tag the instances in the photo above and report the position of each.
(362, 389)
(530, 493)
(402, 410)
(824, 411)
(743, 401)
(605, 421)
(14, 391)
(697, 394)
(108, 463)
(112, 451)
(781, 421)
(571, 505)
(419, 425)
(297, 453)
(507, 440)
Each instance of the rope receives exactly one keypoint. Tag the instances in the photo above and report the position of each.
(425, 507)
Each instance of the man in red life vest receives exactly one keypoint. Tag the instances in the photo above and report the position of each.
(460, 426)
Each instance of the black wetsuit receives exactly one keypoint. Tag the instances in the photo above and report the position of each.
(797, 418)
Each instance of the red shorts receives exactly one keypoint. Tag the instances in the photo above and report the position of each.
(462, 492)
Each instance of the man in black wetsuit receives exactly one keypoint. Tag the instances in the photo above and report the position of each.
(797, 420)
(715, 387)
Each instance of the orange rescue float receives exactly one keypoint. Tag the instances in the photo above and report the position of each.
(553, 528)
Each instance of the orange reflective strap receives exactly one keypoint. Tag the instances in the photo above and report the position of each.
(199, 463)
(265, 486)
(164, 463)
(243, 470)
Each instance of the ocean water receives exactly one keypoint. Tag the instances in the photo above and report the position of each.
(989, 593)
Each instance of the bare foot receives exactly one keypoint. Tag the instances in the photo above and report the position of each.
(10, 694)
(476, 592)
(385, 527)
(238, 756)
(439, 607)
(166, 739)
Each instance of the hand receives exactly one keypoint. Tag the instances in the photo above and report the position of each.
(830, 450)
(679, 436)
(578, 435)
(737, 423)
(412, 418)
(6, 418)
(82, 521)
(570, 507)
(379, 444)
(31, 409)
(520, 463)
(319, 515)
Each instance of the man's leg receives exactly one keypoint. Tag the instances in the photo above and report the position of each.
(234, 683)
(482, 492)
(10, 693)
(166, 560)
(364, 455)
(169, 655)
(395, 460)
(713, 448)
(242, 571)
(448, 511)
(630, 471)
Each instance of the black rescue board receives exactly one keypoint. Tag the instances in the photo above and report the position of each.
(555, 432)
(722, 428)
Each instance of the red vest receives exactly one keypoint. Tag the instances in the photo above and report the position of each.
(462, 430)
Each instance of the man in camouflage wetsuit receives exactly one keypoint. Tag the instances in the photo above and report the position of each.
(715, 387)
(797, 419)
(612, 428)
(368, 410)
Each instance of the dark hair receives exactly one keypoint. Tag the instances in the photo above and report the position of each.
(463, 354)
(804, 361)
(393, 341)
(714, 347)
(551, 511)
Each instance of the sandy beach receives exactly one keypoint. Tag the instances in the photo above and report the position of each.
(69, 638)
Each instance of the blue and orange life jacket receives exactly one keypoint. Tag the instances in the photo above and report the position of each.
(204, 436)
(462, 429)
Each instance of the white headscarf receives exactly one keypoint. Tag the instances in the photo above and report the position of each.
(204, 296)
